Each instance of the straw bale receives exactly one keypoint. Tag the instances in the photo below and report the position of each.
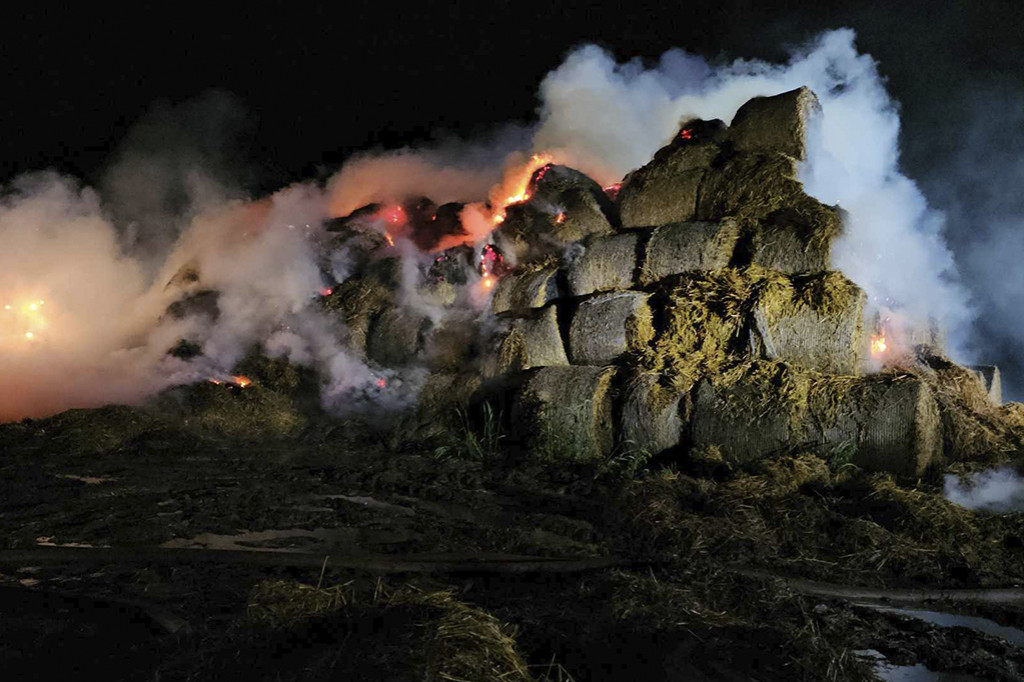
(454, 342)
(397, 336)
(651, 414)
(606, 264)
(609, 325)
(565, 413)
(815, 322)
(525, 290)
(533, 230)
(776, 124)
(683, 247)
(532, 341)
(666, 189)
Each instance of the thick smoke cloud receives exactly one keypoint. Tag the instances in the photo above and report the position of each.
(997, 490)
(103, 266)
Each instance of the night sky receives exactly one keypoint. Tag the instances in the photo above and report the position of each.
(317, 83)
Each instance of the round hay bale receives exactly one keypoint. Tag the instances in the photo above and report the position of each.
(890, 422)
(454, 343)
(815, 322)
(533, 341)
(785, 247)
(776, 124)
(397, 336)
(522, 291)
(651, 415)
(357, 301)
(606, 264)
(565, 413)
(442, 396)
(666, 189)
(684, 247)
(609, 325)
(537, 229)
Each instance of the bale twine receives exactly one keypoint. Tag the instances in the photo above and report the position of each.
(397, 336)
(815, 322)
(685, 247)
(651, 415)
(776, 124)
(565, 413)
(532, 341)
(609, 325)
(526, 290)
(666, 189)
(606, 264)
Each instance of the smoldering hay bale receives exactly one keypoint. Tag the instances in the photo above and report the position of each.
(609, 325)
(532, 341)
(815, 322)
(605, 264)
(666, 189)
(553, 184)
(683, 247)
(776, 124)
(454, 342)
(538, 229)
(565, 413)
(397, 336)
(357, 301)
(652, 414)
(525, 290)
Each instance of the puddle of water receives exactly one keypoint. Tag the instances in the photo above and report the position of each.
(947, 620)
(283, 540)
(910, 673)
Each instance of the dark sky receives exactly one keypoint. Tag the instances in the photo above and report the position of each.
(319, 82)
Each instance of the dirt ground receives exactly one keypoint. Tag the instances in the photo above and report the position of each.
(143, 557)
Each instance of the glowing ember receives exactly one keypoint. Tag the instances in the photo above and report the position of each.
(29, 335)
(381, 383)
(560, 218)
(241, 381)
(686, 134)
(215, 382)
(612, 190)
(488, 281)
(391, 241)
(395, 215)
(326, 291)
(878, 345)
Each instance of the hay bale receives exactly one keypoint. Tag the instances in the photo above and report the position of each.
(606, 264)
(683, 247)
(565, 413)
(553, 184)
(991, 381)
(763, 192)
(357, 301)
(666, 189)
(651, 415)
(776, 124)
(609, 325)
(532, 341)
(525, 290)
(397, 336)
(454, 343)
(890, 422)
(815, 322)
(537, 229)
(787, 248)
(440, 399)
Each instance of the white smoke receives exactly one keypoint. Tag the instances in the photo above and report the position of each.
(996, 490)
(103, 336)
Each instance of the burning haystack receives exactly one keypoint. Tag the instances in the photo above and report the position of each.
(689, 308)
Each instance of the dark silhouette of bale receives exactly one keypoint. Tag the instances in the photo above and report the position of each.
(666, 189)
(430, 227)
(652, 419)
(532, 341)
(343, 223)
(815, 322)
(554, 184)
(525, 290)
(565, 413)
(776, 124)
(201, 303)
(683, 247)
(991, 382)
(605, 264)
(454, 343)
(440, 400)
(397, 336)
(609, 325)
(186, 276)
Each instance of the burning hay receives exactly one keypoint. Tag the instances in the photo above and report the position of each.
(606, 264)
(609, 325)
(684, 247)
(565, 413)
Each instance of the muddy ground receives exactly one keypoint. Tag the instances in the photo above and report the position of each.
(143, 558)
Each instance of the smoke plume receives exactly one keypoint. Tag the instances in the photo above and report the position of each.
(996, 490)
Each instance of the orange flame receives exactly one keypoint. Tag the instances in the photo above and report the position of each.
(241, 381)
(516, 185)
(381, 383)
(488, 281)
(560, 218)
(391, 241)
(878, 345)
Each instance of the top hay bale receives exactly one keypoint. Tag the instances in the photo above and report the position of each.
(776, 124)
